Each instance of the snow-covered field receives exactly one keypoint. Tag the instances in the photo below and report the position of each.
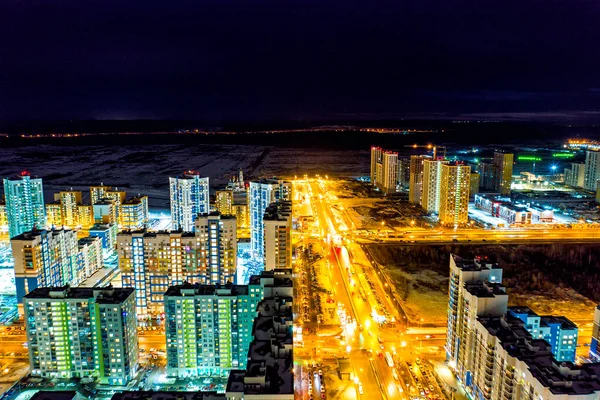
(145, 169)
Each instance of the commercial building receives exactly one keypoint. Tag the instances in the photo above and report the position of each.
(24, 199)
(189, 197)
(262, 194)
(133, 213)
(150, 262)
(592, 170)
(575, 176)
(454, 194)
(432, 184)
(82, 332)
(278, 235)
(209, 327)
(269, 372)
(415, 184)
(512, 213)
(503, 168)
(53, 258)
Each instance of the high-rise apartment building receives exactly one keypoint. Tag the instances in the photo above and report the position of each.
(224, 201)
(117, 197)
(487, 175)
(269, 372)
(133, 213)
(53, 258)
(503, 165)
(99, 193)
(82, 332)
(104, 212)
(432, 184)
(69, 200)
(502, 353)
(150, 262)
(389, 172)
(415, 184)
(595, 345)
(189, 197)
(3, 218)
(575, 176)
(454, 194)
(376, 157)
(24, 197)
(475, 290)
(278, 235)
(54, 215)
(592, 170)
(384, 169)
(209, 327)
(262, 194)
(474, 184)
(403, 172)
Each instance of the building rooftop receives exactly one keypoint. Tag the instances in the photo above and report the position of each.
(107, 295)
(56, 395)
(147, 234)
(522, 310)
(564, 322)
(280, 210)
(32, 235)
(196, 289)
(559, 377)
(151, 395)
(134, 200)
(270, 181)
(485, 289)
(476, 264)
(216, 214)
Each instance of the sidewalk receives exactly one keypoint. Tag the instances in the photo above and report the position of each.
(449, 381)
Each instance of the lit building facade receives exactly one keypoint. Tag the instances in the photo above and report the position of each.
(474, 184)
(376, 156)
(262, 194)
(52, 258)
(475, 290)
(151, 262)
(432, 184)
(107, 233)
(503, 166)
(24, 199)
(278, 235)
(592, 170)
(595, 345)
(415, 184)
(133, 213)
(454, 194)
(3, 218)
(209, 328)
(189, 197)
(575, 176)
(560, 332)
(269, 372)
(82, 332)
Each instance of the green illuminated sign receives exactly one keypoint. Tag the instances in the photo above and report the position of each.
(529, 158)
(563, 155)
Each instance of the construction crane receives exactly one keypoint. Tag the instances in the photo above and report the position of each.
(429, 146)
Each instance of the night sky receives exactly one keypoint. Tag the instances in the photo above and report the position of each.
(304, 59)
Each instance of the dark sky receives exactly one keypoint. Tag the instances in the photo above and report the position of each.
(226, 59)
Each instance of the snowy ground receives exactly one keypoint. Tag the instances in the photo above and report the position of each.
(145, 169)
